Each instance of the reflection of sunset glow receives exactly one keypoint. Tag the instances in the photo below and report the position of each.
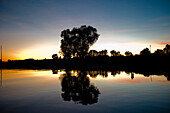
(8, 74)
(118, 78)
(17, 77)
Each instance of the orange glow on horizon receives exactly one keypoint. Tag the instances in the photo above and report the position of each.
(46, 51)
(38, 52)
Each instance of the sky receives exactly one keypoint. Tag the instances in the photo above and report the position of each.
(32, 28)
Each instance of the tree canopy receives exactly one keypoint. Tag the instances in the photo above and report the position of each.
(55, 56)
(167, 49)
(76, 42)
(145, 52)
(128, 53)
(115, 53)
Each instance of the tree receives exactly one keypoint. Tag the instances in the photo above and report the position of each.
(128, 53)
(76, 42)
(159, 52)
(55, 56)
(102, 53)
(145, 52)
(167, 49)
(93, 53)
(115, 53)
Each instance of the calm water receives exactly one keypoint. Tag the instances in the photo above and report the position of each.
(60, 91)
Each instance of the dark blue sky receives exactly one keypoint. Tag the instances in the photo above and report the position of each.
(31, 28)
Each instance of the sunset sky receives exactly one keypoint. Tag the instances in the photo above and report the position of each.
(31, 28)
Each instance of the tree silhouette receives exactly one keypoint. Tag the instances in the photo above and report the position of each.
(145, 52)
(159, 52)
(115, 53)
(128, 53)
(76, 42)
(167, 49)
(55, 56)
(93, 53)
(103, 53)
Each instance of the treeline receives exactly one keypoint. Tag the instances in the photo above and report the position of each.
(75, 49)
(145, 52)
(159, 60)
(76, 43)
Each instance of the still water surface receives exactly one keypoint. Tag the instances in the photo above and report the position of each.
(61, 91)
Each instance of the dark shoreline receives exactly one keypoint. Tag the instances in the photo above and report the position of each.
(138, 63)
(145, 65)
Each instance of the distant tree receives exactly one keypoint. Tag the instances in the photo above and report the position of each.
(76, 42)
(128, 53)
(159, 52)
(115, 53)
(93, 53)
(145, 52)
(167, 49)
(118, 53)
(55, 56)
(103, 53)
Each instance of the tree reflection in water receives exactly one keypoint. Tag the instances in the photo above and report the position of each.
(94, 74)
(78, 88)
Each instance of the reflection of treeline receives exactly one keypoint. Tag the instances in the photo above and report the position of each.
(104, 73)
(78, 88)
(149, 73)
(76, 84)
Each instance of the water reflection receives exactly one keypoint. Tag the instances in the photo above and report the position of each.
(76, 84)
(113, 73)
(104, 74)
(132, 75)
(1, 76)
(25, 90)
(149, 74)
(78, 88)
